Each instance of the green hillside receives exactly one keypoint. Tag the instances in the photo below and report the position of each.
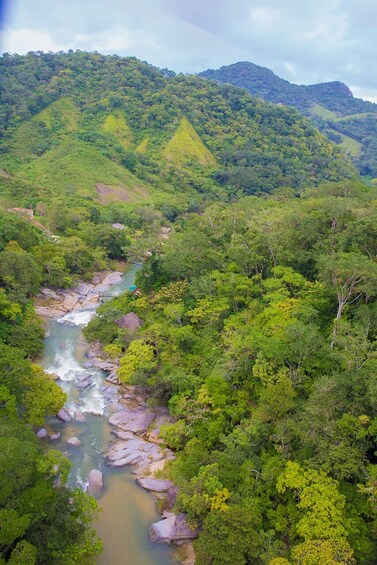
(331, 106)
(121, 123)
(115, 125)
(77, 167)
(258, 294)
(186, 147)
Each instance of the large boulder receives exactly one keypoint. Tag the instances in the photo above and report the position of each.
(79, 417)
(173, 529)
(155, 485)
(48, 293)
(55, 437)
(130, 321)
(83, 380)
(160, 532)
(95, 481)
(70, 302)
(42, 433)
(63, 415)
(74, 442)
(136, 421)
(182, 532)
(133, 451)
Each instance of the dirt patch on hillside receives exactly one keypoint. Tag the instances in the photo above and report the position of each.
(108, 194)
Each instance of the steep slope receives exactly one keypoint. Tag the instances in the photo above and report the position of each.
(117, 122)
(79, 167)
(350, 122)
(186, 147)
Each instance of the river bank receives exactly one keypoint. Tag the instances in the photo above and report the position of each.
(127, 453)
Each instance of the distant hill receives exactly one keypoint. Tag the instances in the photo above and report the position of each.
(348, 121)
(111, 128)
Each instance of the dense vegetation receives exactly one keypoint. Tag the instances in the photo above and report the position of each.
(112, 129)
(331, 106)
(41, 520)
(259, 309)
(260, 333)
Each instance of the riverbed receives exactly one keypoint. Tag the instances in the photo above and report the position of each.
(127, 510)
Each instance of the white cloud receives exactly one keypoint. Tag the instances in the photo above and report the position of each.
(23, 40)
(291, 68)
(366, 94)
(264, 19)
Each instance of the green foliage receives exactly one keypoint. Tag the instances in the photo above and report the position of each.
(356, 128)
(117, 130)
(272, 426)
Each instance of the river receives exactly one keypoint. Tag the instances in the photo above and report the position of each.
(127, 509)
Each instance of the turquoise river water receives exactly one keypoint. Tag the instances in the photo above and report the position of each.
(127, 510)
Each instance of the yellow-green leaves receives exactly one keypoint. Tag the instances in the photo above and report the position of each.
(139, 356)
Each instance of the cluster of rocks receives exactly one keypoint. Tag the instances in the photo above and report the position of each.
(173, 529)
(138, 444)
(66, 416)
(86, 296)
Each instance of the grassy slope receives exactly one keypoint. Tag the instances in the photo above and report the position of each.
(77, 166)
(186, 147)
(116, 125)
(62, 116)
(352, 116)
(349, 144)
(321, 112)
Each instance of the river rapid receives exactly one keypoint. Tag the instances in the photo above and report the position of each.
(127, 510)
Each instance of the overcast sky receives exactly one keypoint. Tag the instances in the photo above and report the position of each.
(303, 41)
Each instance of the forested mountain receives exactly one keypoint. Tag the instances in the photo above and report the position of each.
(350, 122)
(259, 311)
(115, 129)
(260, 321)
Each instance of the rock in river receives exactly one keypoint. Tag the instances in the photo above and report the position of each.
(155, 485)
(79, 417)
(173, 529)
(63, 415)
(136, 421)
(42, 433)
(95, 481)
(74, 441)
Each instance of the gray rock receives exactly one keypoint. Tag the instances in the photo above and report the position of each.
(105, 366)
(83, 289)
(171, 497)
(70, 302)
(55, 437)
(134, 451)
(112, 378)
(46, 312)
(137, 421)
(74, 441)
(95, 481)
(173, 529)
(112, 278)
(42, 433)
(182, 532)
(84, 383)
(160, 532)
(64, 415)
(155, 485)
(79, 417)
(91, 301)
(48, 293)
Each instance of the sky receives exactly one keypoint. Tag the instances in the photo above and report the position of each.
(303, 41)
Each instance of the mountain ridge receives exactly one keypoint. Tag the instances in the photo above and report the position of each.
(324, 103)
